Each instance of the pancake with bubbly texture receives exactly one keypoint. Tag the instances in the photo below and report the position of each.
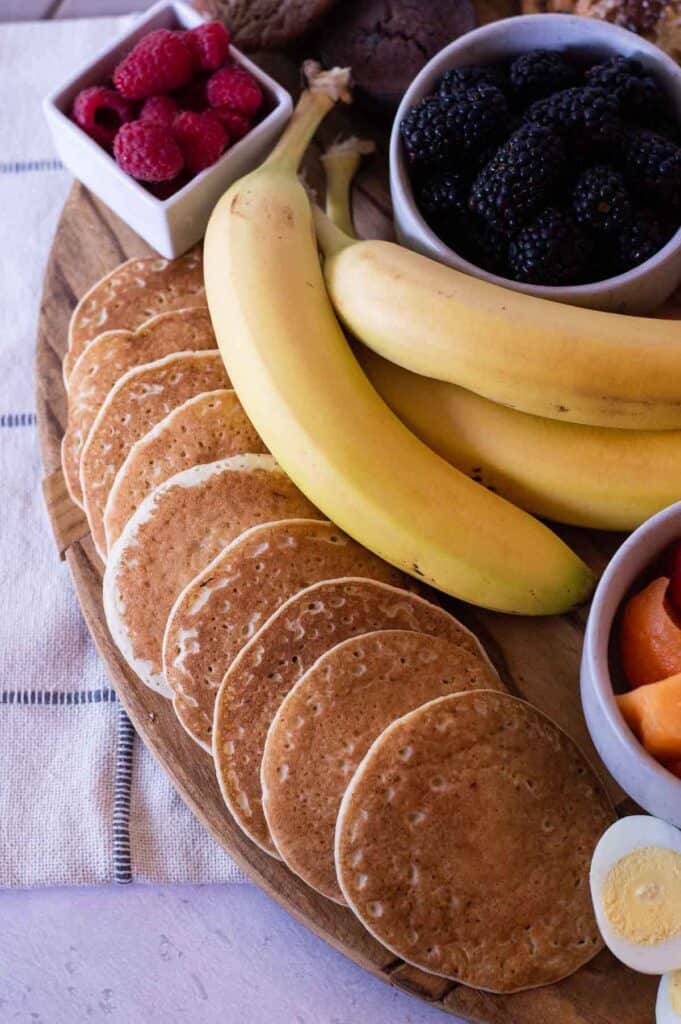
(135, 404)
(132, 293)
(464, 840)
(208, 427)
(106, 360)
(220, 610)
(273, 661)
(328, 721)
(174, 534)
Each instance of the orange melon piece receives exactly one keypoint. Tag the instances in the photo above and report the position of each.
(650, 636)
(653, 713)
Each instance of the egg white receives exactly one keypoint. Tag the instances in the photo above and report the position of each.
(664, 1014)
(625, 836)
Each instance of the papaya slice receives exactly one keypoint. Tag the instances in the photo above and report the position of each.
(650, 636)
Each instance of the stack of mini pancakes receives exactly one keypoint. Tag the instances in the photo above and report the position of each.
(359, 732)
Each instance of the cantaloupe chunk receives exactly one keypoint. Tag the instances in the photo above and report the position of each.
(653, 713)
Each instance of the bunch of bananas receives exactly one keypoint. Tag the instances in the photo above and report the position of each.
(407, 494)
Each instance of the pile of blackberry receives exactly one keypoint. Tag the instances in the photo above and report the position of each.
(545, 170)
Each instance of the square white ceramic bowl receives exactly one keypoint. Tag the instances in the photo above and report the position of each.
(170, 225)
(639, 290)
(640, 775)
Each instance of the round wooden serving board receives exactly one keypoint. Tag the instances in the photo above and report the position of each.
(537, 658)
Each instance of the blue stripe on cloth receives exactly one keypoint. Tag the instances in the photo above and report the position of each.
(25, 166)
(17, 419)
(122, 864)
(58, 698)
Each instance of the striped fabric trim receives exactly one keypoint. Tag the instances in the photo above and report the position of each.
(58, 698)
(18, 419)
(23, 166)
(122, 863)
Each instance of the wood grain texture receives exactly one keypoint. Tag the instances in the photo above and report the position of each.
(538, 659)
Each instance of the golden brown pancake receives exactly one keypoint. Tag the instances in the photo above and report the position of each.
(464, 841)
(106, 360)
(135, 404)
(174, 534)
(328, 721)
(225, 605)
(208, 427)
(132, 293)
(306, 626)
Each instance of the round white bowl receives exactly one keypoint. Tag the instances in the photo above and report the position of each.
(640, 775)
(639, 290)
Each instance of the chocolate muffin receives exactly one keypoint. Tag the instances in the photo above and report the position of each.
(386, 42)
(266, 24)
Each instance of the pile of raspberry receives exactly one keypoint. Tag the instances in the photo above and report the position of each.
(176, 102)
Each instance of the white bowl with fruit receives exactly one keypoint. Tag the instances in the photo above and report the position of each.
(589, 223)
(631, 665)
(159, 123)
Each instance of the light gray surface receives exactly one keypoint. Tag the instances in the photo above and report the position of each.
(30, 10)
(200, 954)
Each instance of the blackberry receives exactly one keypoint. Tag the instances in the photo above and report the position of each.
(537, 74)
(640, 240)
(551, 250)
(518, 180)
(586, 116)
(442, 196)
(440, 129)
(479, 243)
(459, 79)
(653, 165)
(600, 201)
(636, 93)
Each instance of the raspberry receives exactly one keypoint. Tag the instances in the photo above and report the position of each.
(160, 62)
(100, 112)
(193, 96)
(201, 137)
(160, 109)
(236, 88)
(209, 44)
(236, 124)
(147, 151)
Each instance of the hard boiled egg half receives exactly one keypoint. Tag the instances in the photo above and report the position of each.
(636, 891)
(668, 1005)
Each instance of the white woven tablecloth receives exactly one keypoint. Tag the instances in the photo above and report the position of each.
(81, 800)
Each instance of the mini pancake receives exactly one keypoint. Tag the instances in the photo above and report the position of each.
(132, 293)
(174, 534)
(328, 721)
(134, 405)
(464, 841)
(106, 360)
(208, 427)
(220, 610)
(273, 661)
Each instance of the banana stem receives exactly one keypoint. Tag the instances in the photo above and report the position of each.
(341, 161)
(331, 239)
(325, 89)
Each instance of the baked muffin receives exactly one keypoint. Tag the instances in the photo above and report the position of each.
(659, 21)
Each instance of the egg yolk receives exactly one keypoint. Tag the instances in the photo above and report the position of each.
(642, 895)
(675, 992)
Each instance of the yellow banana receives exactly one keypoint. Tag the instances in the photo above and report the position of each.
(340, 162)
(541, 357)
(307, 396)
(585, 476)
